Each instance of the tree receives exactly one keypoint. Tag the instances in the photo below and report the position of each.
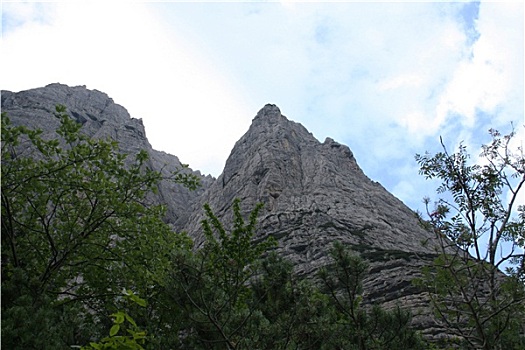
(295, 314)
(76, 230)
(481, 230)
(234, 294)
(211, 287)
(356, 326)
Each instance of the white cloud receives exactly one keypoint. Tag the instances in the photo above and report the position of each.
(386, 68)
(493, 77)
(15, 14)
(400, 81)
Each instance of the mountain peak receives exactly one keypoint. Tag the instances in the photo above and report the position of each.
(316, 186)
(315, 194)
(101, 118)
(269, 111)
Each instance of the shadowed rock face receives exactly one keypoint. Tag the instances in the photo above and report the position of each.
(314, 193)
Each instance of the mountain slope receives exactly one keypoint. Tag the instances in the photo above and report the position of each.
(314, 193)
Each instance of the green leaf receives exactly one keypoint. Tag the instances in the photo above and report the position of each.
(114, 330)
(119, 317)
(130, 320)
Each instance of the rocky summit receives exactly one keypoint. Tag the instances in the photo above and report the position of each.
(314, 193)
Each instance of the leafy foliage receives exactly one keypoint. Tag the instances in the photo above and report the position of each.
(135, 337)
(357, 327)
(211, 286)
(232, 295)
(76, 230)
(294, 313)
(481, 230)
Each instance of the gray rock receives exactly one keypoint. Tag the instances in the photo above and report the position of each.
(314, 193)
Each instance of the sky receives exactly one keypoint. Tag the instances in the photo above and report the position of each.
(388, 79)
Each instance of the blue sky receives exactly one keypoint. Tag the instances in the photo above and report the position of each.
(386, 79)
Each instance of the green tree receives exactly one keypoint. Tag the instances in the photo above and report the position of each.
(481, 230)
(211, 287)
(234, 294)
(295, 314)
(76, 231)
(356, 326)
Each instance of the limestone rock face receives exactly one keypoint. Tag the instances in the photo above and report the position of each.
(101, 117)
(314, 193)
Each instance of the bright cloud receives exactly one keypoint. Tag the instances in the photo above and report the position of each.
(493, 76)
(401, 81)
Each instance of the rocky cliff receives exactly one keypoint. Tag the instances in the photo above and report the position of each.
(101, 117)
(314, 193)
